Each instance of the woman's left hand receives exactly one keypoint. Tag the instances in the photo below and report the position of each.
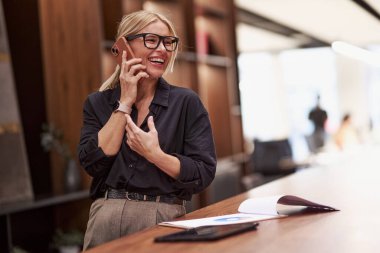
(144, 143)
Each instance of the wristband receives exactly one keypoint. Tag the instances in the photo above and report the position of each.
(121, 107)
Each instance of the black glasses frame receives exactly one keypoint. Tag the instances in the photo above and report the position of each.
(161, 38)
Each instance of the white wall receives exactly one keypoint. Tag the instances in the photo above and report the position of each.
(352, 85)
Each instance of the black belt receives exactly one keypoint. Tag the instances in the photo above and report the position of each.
(122, 194)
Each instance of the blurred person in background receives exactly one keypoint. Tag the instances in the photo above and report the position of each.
(318, 117)
(346, 137)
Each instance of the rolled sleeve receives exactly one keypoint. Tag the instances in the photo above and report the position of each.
(194, 174)
(92, 157)
(198, 161)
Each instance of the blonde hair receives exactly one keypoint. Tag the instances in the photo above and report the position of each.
(131, 24)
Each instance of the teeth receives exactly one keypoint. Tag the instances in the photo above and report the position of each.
(157, 60)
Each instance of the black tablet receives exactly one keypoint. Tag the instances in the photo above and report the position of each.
(208, 233)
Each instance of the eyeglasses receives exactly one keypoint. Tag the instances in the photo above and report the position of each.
(152, 41)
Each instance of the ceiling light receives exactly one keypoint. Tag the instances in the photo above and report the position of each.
(356, 53)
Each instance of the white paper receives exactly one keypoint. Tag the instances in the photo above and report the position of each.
(219, 220)
(250, 210)
(265, 205)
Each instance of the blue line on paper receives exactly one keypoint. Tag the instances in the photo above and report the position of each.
(227, 219)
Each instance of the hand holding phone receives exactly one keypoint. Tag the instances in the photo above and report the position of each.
(117, 50)
(131, 74)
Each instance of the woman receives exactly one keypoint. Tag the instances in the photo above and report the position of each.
(346, 136)
(147, 144)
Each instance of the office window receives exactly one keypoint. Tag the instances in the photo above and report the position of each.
(374, 92)
(278, 91)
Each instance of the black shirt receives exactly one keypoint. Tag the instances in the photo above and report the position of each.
(184, 131)
(318, 116)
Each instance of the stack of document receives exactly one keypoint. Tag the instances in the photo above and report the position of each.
(251, 210)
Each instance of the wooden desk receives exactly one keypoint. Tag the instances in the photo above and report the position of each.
(350, 183)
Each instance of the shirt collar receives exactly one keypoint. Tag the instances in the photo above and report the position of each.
(161, 96)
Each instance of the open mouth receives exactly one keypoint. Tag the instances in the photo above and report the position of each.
(157, 60)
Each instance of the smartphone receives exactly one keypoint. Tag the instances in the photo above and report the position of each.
(208, 233)
(117, 50)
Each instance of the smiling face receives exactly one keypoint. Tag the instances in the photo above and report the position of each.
(155, 60)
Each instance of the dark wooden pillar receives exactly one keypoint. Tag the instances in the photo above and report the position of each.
(21, 19)
(71, 36)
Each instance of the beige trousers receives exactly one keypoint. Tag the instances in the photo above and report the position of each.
(113, 218)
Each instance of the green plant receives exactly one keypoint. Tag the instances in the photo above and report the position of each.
(52, 139)
(69, 238)
(17, 249)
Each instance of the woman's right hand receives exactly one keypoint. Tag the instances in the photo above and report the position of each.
(131, 71)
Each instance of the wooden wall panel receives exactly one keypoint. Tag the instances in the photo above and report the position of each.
(214, 94)
(184, 74)
(173, 10)
(217, 5)
(112, 11)
(237, 134)
(218, 82)
(233, 77)
(215, 30)
(129, 6)
(71, 41)
(108, 64)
